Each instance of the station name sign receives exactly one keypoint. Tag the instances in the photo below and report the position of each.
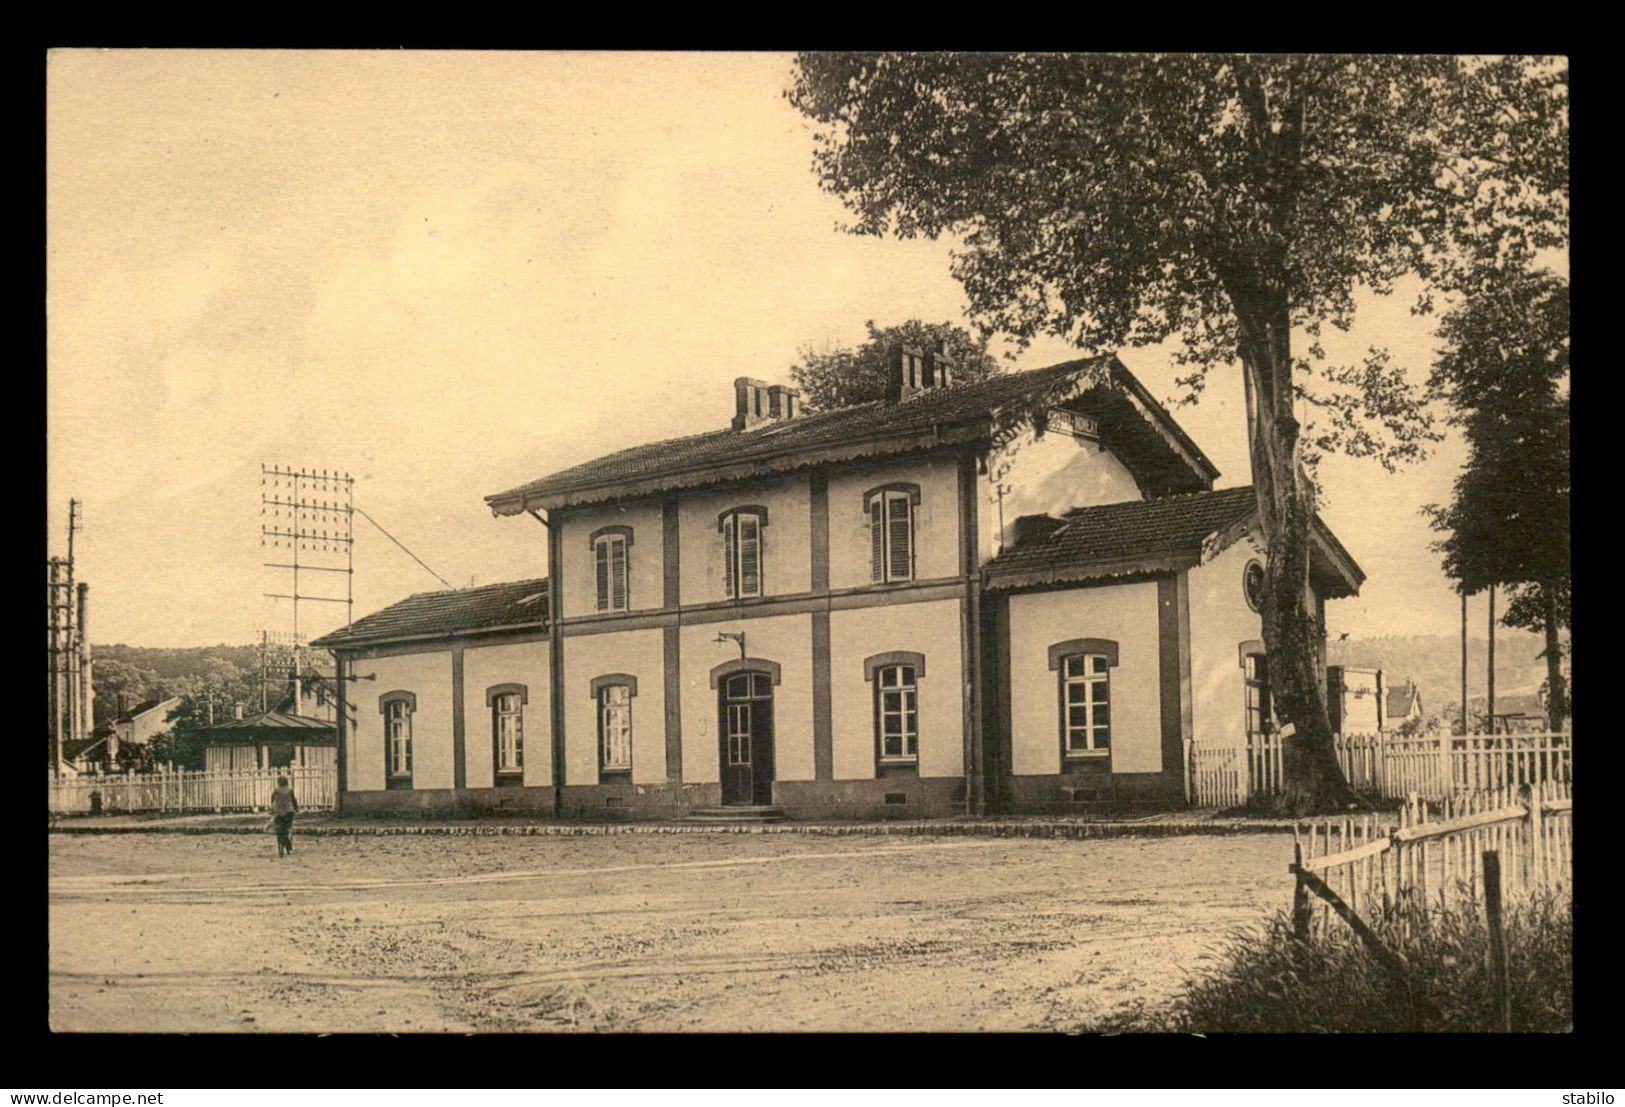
(1075, 423)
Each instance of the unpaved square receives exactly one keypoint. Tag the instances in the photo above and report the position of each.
(724, 932)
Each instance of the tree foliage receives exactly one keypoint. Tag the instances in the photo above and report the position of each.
(1237, 203)
(1119, 201)
(840, 376)
(1505, 370)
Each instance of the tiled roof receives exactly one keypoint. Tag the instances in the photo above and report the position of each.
(1127, 535)
(1155, 535)
(974, 404)
(517, 603)
(1400, 699)
(140, 709)
(275, 723)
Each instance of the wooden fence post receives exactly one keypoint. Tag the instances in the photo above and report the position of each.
(1531, 796)
(1301, 911)
(1500, 984)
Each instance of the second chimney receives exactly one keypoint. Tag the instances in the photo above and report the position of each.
(757, 402)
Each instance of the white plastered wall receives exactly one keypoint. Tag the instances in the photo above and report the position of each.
(518, 663)
(785, 639)
(932, 629)
(1123, 613)
(428, 677)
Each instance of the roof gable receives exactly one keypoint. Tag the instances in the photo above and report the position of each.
(990, 410)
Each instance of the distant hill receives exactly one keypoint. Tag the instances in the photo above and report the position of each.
(144, 673)
(1433, 662)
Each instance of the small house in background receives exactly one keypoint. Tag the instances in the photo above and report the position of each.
(139, 725)
(296, 732)
(1404, 705)
(1355, 697)
(269, 740)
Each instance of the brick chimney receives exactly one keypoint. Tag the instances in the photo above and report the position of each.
(783, 402)
(1034, 528)
(939, 366)
(913, 371)
(757, 402)
(906, 374)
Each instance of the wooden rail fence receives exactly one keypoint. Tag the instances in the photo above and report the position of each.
(181, 791)
(1436, 852)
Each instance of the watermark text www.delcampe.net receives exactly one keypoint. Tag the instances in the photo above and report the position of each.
(90, 1099)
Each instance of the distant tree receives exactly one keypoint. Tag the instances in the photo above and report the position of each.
(208, 695)
(110, 677)
(1236, 202)
(849, 375)
(1505, 368)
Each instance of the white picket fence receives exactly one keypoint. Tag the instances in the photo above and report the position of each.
(1388, 766)
(182, 791)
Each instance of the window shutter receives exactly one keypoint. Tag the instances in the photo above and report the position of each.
(601, 556)
(750, 555)
(617, 573)
(898, 524)
(728, 556)
(877, 539)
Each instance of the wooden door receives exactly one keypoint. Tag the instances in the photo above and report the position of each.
(746, 731)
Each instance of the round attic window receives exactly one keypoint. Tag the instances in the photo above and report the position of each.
(1252, 585)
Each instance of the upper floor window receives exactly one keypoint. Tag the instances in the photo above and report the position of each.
(507, 703)
(891, 531)
(1084, 667)
(613, 694)
(741, 529)
(398, 709)
(610, 552)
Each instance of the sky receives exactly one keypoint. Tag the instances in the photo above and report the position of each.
(447, 274)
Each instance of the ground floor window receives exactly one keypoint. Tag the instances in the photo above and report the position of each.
(897, 717)
(398, 709)
(1083, 667)
(615, 727)
(1256, 677)
(1086, 698)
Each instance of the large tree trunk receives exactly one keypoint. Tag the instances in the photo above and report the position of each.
(1313, 780)
(1557, 693)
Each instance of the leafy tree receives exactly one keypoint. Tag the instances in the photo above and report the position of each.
(853, 375)
(111, 676)
(1235, 202)
(208, 695)
(1504, 368)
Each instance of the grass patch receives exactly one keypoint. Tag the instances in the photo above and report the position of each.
(1270, 980)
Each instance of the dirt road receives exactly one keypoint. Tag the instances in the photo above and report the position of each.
(694, 932)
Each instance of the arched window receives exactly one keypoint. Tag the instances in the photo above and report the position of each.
(611, 548)
(507, 704)
(397, 708)
(896, 677)
(613, 694)
(1083, 667)
(891, 531)
(741, 529)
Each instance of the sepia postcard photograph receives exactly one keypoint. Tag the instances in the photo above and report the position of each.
(570, 542)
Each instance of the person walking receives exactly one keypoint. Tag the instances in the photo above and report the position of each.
(283, 808)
